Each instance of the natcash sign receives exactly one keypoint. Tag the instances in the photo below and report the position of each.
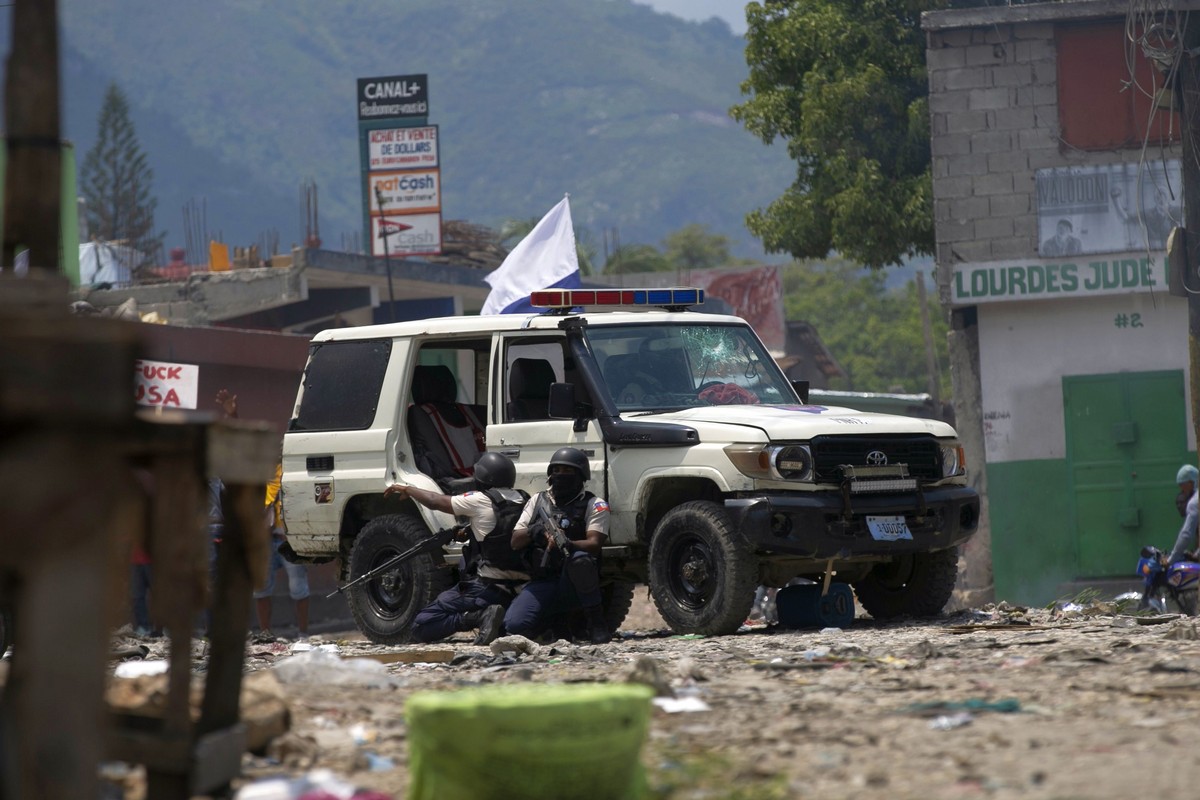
(393, 97)
(1042, 280)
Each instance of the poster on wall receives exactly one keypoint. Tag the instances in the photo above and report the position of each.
(754, 294)
(1108, 208)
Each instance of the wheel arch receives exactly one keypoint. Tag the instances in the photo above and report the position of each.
(659, 493)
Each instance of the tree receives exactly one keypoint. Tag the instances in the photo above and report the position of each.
(116, 181)
(844, 83)
(694, 247)
(635, 258)
(874, 333)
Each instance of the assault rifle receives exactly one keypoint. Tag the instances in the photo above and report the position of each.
(431, 545)
(551, 531)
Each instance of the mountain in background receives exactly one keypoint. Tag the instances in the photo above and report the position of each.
(237, 102)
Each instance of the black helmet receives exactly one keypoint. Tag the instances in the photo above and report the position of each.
(571, 457)
(495, 471)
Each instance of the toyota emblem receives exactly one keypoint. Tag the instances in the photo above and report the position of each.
(876, 458)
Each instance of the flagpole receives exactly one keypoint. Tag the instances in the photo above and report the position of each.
(387, 260)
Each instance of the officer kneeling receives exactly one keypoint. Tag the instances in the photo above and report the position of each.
(494, 571)
(562, 532)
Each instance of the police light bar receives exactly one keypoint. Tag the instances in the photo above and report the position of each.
(572, 298)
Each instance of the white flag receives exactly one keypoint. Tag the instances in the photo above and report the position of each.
(544, 259)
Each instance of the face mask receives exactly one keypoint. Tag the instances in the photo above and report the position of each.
(566, 486)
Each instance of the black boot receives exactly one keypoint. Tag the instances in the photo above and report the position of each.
(598, 632)
(489, 625)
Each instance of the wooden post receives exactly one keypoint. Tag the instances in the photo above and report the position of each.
(33, 188)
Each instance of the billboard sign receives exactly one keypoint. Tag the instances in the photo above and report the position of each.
(755, 295)
(394, 97)
(1042, 279)
(409, 192)
(159, 383)
(403, 148)
(1108, 208)
(406, 235)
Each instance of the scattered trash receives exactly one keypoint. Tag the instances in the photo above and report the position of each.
(133, 652)
(317, 666)
(378, 763)
(319, 783)
(934, 707)
(362, 734)
(517, 645)
(675, 705)
(948, 722)
(140, 669)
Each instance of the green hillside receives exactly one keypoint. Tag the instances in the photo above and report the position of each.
(238, 101)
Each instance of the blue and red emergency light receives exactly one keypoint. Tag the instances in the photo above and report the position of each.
(572, 298)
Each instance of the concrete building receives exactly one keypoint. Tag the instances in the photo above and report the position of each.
(1056, 178)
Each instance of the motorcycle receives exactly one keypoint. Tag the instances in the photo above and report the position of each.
(1179, 581)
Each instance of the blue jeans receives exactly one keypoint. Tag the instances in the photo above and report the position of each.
(139, 588)
(297, 574)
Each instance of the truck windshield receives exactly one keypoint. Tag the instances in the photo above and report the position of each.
(657, 367)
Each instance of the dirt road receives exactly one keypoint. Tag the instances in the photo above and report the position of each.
(994, 702)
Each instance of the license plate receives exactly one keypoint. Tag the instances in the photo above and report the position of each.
(888, 529)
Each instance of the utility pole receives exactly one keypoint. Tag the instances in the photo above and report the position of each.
(384, 233)
(926, 330)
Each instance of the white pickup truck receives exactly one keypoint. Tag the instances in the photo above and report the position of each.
(719, 474)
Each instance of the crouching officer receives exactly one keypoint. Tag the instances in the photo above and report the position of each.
(495, 572)
(562, 530)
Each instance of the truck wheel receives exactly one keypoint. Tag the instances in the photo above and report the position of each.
(617, 598)
(385, 606)
(702, 573)
(916, 585)
(1188, 602)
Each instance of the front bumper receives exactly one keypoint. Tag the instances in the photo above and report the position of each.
(825, 525)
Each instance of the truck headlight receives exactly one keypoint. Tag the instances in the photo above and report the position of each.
(793, 462)
(786, 462)
(954, 460)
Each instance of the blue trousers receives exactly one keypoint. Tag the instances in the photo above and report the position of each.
(577, 585)
(443, 616)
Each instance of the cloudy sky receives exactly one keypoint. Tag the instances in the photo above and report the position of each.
(732, 11)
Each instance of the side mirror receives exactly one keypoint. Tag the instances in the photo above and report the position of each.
(562, 401)
(563, 406)
(801, 388)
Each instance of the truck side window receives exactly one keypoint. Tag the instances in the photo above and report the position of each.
(530, 368)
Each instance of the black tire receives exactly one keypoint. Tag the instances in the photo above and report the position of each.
(702, 572)
(1188, 601)
(385, 606)
(618, 599)
(915, 585)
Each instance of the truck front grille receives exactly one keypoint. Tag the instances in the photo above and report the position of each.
(921, 454)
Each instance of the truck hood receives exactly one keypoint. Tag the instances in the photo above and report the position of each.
(795, 422)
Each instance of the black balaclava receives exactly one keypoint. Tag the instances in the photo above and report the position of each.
(566, 486)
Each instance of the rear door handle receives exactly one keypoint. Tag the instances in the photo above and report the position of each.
(512, 452)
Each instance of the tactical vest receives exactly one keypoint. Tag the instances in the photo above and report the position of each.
(574, 514)
(496, 547)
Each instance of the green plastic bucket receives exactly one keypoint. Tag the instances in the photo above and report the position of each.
(528, 741)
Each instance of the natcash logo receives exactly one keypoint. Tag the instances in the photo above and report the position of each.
(407, 183)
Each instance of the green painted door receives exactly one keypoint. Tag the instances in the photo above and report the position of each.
(1126, 437)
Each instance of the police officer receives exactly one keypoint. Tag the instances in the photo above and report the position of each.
(496, 571)
(562, 530)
